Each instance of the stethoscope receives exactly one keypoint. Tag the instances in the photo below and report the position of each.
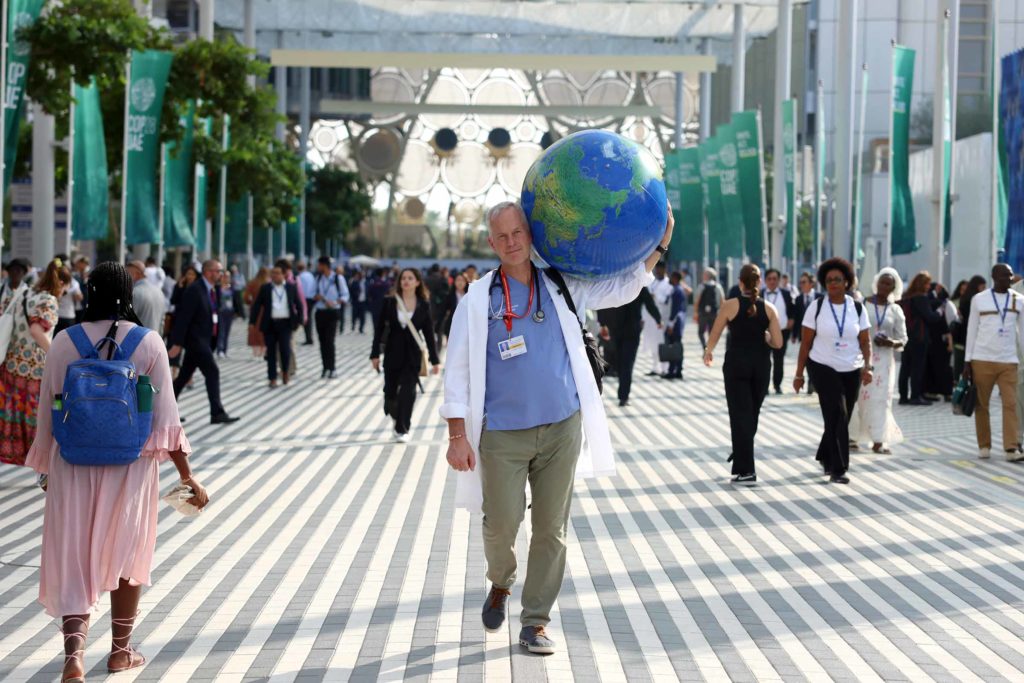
(498, 281)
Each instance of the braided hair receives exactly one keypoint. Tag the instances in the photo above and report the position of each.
(110, 294)
(750, 278)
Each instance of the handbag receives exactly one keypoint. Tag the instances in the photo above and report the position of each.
(670, 353)
(965, 398)
(597, 362)
(7, 321)
(418, 336)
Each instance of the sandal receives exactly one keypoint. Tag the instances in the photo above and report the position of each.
(881, 450)
(135, 658)
(77, 654)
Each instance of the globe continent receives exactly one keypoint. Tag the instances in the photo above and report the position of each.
(596, 204)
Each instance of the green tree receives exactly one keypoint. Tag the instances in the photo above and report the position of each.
(337, 201)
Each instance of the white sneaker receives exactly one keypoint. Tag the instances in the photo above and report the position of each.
(1015, 455)
(402, 438)
(984, 453)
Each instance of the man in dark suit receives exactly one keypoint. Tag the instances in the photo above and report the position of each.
(282, 315)
(195, 331)
(782, 300)
(623, 326)
(803, 301)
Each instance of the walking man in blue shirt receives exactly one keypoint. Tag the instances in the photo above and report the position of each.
(330, 295)
(520, 395)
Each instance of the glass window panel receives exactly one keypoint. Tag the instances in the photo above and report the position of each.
(973, 11)
(972, 56)
(973, 28)
(971, 84)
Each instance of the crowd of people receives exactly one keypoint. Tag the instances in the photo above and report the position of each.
(517, 321)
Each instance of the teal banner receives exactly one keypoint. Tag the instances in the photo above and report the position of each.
(177, 185)
(682, 183)
(712, 189)
(236, 218)
(750, 151)
(20, 14)
(789, 159)
(90, 198)
(731, 233)
(903, 225)
(149, 72)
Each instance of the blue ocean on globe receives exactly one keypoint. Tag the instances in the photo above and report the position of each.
(596, 204)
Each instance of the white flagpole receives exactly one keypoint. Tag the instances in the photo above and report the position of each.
(938, 151)
(995, 170)
(3, 110)
(223, 189)
(887, 249)
(858, 170)
(248, 238)
(70, 215)
(121, 247)
(161, 206)
(819, 170)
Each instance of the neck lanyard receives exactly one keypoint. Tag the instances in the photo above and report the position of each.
(1002, 313)
(879, 319)
(279, 293)
(509, 316)
(839, 325)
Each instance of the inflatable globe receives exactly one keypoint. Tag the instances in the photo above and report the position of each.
(596, 204)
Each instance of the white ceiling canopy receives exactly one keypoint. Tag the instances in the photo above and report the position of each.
(584, 28)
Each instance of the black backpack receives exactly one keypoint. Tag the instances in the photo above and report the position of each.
(708, 298)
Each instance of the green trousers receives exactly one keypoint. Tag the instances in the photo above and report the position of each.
(546, 457)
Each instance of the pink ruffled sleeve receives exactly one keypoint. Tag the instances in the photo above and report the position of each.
(167, 435)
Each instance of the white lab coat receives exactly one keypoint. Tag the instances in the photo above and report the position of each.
(465, 377)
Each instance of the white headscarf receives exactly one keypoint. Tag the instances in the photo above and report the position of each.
(897, 291)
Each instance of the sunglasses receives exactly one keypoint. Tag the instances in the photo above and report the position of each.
(835, 280)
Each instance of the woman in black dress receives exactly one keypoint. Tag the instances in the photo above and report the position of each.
(753, 331)
(405, 331)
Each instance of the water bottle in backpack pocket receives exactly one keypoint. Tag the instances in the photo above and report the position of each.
(99, 419)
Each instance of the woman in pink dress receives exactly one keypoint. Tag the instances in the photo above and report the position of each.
(99, 528)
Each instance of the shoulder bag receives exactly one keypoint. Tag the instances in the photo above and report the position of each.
(417, 336)
(7, 320)
(597, 363)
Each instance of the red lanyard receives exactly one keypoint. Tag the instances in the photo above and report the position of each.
(509, 315)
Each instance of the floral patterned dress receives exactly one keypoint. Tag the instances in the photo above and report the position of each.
(21, 373)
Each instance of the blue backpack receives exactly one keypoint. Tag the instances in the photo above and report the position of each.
(98, 420)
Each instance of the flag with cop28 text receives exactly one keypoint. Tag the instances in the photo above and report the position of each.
(903, 225)
(747, 126)
(731, 233)
(149, 72)
(90, 202)
(1011, 108)
(20, 14)
(177, 185)
(687, 204)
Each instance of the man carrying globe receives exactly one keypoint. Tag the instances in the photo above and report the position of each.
(520, 395)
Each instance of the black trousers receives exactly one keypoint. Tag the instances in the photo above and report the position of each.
(341, 319)
(705, 321)
(915, 360)
(400, 396)
(279, 340)
(625, 358)
(746, 385)
(359, 315)
(307, 326)
(326, 330)
(778, 363)
(201, 358)
(837, 397)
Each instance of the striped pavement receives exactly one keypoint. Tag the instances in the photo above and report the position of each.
(331, 553)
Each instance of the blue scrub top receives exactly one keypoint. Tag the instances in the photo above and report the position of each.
(536, 388)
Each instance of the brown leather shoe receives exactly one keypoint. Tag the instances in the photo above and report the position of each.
(284, 377)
